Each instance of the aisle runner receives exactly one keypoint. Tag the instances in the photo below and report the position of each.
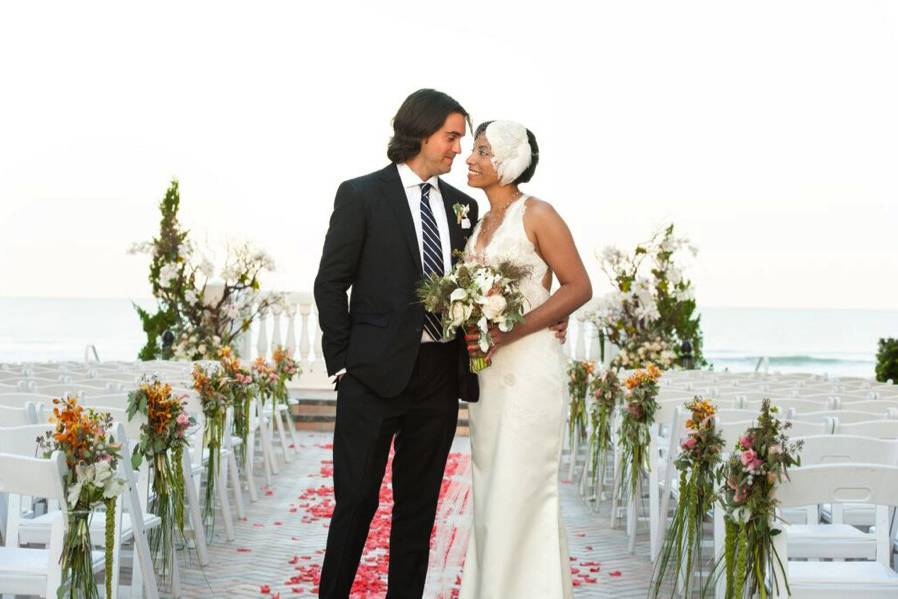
(448, 541)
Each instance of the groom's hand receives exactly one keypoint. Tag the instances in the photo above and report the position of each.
(560, 330)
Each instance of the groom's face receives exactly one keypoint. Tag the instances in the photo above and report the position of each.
(440, 149)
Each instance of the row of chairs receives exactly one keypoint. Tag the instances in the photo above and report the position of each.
(18, 440)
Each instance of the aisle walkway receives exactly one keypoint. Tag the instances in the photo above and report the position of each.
(279, 546)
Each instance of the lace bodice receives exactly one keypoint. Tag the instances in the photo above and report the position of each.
(510, 242)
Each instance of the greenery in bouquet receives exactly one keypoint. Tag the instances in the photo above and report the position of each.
(265, 378)
(887, 361)
(201, 316)
(759, 462)
(162, 442)
(287, 369)
(608, 393)
(241, 389)
(474, 297)
(579, 374)
(211, 384)
(698, 465)
(91, 480)
(650, 313)
(637, 416)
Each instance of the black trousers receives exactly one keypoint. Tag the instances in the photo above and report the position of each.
(422, 419)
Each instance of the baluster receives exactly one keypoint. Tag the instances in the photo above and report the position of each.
(305, 309)
(291, 327)
(276, 310)
(262, 343)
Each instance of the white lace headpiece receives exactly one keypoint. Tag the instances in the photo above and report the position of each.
(511, 150)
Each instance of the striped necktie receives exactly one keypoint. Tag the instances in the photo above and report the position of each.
(431, 257)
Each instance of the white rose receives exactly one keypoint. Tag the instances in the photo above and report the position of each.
(459, 313)
(167, 274)
(494, 307)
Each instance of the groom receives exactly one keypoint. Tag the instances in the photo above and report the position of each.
(398, 382)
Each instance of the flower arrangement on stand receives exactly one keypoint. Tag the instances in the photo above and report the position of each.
(162, 442)
(200, 316)
(649, 315)
(579, 374)
(698, 465)
(91, 481)
(287, 369)
(211, 384)
(241, 388)
(887, 360)
(474, 297)
(759, 462)
(266, 379)
(634, 435)
(608, 393)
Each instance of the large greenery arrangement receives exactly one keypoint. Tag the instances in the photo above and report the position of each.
(579, 374)
(698, 465)
(887, 361)
(200, 315)
(650, 313)
(759, 462)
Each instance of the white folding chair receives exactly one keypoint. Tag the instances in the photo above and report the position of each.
(22, 416)
(838, 483)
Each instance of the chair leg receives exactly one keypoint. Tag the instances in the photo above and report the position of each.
(250, 464)
(276, 414)
(221, 487)
(654, 514)
(268, 453)
(293, 434)
(235, 477)
(194, 511)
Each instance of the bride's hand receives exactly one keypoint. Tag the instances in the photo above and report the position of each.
(472, 340)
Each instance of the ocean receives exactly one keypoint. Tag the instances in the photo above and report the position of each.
(834, 342)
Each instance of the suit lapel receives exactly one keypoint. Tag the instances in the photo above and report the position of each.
(455, 236)
(395, 197)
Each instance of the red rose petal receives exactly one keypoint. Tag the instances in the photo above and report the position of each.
(265, 589)
(615, 573)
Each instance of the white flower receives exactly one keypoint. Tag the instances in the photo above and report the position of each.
(674, 276)
(484, 280)
(142, 247)
(494, 307)
(459, 312)
(167, 274)
(206, 268)
(458, 295)
(202, 348)
(191, 296)
(686, 294)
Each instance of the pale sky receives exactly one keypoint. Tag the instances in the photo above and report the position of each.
(767, 131)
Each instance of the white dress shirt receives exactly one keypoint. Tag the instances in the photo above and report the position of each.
(412, 184)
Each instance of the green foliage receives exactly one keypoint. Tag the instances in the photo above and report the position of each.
(887, 361)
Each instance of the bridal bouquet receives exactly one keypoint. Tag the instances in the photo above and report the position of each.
(759, 462)
(162, 442)
(474, 296)
(91, 456)
(700, 456)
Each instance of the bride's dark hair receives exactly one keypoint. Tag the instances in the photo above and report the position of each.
(534, 153)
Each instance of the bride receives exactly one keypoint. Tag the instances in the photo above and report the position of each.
(518, 547)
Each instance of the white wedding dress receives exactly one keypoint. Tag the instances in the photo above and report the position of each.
(518, 547)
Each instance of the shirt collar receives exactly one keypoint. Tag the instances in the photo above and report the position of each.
(410, 179)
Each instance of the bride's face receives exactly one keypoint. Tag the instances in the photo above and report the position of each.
(481, 172)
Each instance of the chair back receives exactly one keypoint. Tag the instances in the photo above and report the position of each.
(36, 477)
(22, 416)
(848, 449)
(877, 429)
(22, 440)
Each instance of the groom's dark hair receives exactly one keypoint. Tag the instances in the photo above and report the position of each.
(421, 115)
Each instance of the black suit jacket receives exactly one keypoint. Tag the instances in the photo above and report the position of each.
(371, 246)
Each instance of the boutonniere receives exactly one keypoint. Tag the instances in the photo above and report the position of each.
(461, 215)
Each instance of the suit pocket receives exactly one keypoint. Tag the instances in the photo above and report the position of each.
(374, 319)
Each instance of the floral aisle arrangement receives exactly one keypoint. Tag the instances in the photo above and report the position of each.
(201, 317)
(474, 297)
(162, 442)
(91, 481)
(265, 378)
(649, 314)
(212, 386)
(287, 369)
(579, 374)
(637, 416)
(698, 465)
(241, 388)
(759, 462)
(608, 393)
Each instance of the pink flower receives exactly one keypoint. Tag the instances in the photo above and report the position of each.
(748, 456)
(183, 419)
(689, 443)
(745, 442)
